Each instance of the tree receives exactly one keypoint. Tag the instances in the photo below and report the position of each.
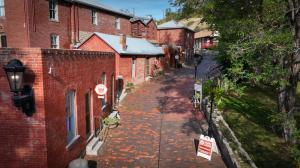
(259, 43)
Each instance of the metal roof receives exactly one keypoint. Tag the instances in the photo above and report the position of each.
(97, 4)
(135, 46)
(173, 25)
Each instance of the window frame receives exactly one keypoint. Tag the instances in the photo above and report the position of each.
(117, 23)
(3, 43)
(54, 38)
(133, 68)
(94, 17)
(69, 117)
(2, 8)
(53, 10)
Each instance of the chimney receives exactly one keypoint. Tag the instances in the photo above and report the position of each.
(123, 42)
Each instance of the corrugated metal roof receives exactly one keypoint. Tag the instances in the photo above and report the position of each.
(135, 46)
(97, 4)
(173, 25)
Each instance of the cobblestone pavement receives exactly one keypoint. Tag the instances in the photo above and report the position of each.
(159, 127)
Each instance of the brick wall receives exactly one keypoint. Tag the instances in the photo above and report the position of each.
(27, 24)
(40, 140)
(106, 23)
(72, 70)
(141, 30)
(152, 31)
(41, 27)
(22, 138)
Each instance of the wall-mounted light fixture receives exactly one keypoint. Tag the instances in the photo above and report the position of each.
(23, 96)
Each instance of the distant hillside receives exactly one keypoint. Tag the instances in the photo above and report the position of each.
(195, 24)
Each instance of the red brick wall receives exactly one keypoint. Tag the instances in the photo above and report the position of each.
(140, 30)
(178, 37)
(125, 69)
(16, 23)
(106, 23)
(41, 27)
(152, 31)
(27, 24)
(41, 140)
(123, 63)
(22, 138)
(72, 70)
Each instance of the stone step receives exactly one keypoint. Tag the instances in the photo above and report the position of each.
(94, 146)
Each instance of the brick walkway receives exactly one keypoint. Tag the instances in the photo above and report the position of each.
(158, 127)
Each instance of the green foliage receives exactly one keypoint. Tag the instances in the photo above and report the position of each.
(249, 117)
(129, 87)
(111, 121)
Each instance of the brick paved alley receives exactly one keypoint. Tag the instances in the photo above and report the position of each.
(158, 127)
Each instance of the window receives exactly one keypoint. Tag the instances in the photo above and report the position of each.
(54, 41)
(53, 10)
(94, 18)
(2, 8)
(3, 40)
(117, 23)
(103, 78)
(88, 115)
(133, 68)
(147, 67)
(71, 116)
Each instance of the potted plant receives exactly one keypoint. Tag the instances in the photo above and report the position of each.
(111, 122)
(129, 87)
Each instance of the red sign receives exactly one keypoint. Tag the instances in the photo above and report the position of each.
(101, 89)
(205, 147)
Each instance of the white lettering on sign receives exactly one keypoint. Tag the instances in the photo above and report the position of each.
(205, 147)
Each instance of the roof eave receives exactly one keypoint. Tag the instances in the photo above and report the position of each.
(98, 7)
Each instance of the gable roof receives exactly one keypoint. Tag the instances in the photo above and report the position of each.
(98, 5)
(173, 25)
(144, 20)
(135, 46)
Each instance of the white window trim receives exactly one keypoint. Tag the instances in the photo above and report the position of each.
(2, 8)
(55, 10)
(70, 144)
(56, 41)
(76, 137)
(118, 23)
(94, 17)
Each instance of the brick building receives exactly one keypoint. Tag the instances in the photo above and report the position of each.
(205, 39)
(57, 23)
(136, 59)
(144, 27)
(67, 110)
(179, 38)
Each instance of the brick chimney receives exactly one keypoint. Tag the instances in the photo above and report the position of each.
(123, 41)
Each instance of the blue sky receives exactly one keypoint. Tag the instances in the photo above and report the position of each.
(142, 7)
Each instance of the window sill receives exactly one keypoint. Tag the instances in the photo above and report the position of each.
(75, 139)
(54, 20)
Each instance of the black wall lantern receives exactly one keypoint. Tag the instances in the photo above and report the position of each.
(23, 96)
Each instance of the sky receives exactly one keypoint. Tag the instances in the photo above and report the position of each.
(141, 7)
